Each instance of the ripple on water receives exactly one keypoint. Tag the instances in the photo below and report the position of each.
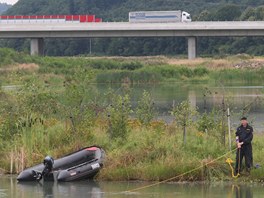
(3, 193)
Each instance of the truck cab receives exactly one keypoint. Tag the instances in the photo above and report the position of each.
(186, 17)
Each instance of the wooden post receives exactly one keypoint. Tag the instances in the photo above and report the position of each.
(223, 120)
(229, 128)
(11, 162)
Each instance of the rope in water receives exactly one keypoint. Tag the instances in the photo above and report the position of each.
(185, 173)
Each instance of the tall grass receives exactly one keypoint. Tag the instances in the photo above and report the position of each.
(152, 154)
(242, 75)
(9, 57)
(134, 77)
(118, 70)
(151, 74)
(152, 151)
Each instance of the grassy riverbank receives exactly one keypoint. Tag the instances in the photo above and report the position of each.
(134, 70)
(150, 153)
(54, 109)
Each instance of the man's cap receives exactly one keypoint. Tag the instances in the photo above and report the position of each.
(243, 118)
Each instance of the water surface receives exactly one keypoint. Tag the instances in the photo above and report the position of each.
(85, 189)
(204, 96)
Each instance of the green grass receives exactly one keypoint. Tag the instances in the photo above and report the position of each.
(152, 153)
(131, 70)
(9, 57)
(245, 75)
(58, 89)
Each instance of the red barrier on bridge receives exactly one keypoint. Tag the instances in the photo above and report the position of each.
(91, 18)
(97, 20)
(83, 18)
(78, 18)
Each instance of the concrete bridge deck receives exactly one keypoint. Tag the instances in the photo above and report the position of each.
(192, 30)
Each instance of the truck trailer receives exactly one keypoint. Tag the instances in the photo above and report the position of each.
(159, 16)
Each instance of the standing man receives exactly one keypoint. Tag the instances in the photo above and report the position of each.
(244, 136)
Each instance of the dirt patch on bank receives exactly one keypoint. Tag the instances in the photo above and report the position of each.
(30, 66)
(249, 65)
(24, 66)
(239, 61)
(255, 63)
(175, 61)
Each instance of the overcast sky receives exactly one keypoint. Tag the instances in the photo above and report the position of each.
(8, 1)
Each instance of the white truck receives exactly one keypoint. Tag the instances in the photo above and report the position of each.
(159, 16)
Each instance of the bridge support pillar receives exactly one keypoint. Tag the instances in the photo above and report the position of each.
(192, 50)
(37, 46)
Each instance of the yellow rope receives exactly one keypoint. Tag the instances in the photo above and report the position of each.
(172, 178)
(230, 161)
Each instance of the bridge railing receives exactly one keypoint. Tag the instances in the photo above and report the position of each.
(49, 19)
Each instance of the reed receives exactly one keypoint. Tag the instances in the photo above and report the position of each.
(152, 153)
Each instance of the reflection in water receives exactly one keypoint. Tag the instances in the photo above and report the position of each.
(48, 189)
(9, 188)
(205, 96)
(51, 189)
(243, 191)
(89, 189)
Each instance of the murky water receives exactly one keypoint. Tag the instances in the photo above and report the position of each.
(9, 188)
(205, 97)
(237, 95)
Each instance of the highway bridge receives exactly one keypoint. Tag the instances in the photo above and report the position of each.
(38, 31)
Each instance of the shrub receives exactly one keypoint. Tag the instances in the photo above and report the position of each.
(104, 64)
(131, 65)
(184, 113)
(206, 122)
(134, 77)
(200, 71)
(118, 114)
(146, 109)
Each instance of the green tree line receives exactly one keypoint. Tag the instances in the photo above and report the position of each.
(4, 7)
